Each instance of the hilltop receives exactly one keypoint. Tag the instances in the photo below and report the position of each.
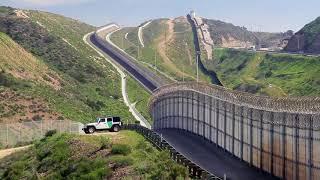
(307, 39)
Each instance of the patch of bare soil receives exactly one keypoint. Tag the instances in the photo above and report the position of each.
(231, 42)
(80, 149)
(21, 14)
(7, 152)
(15, 107)
(162, 43)
(121, 173)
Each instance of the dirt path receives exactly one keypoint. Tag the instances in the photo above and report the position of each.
(7, 152)
(161, 48)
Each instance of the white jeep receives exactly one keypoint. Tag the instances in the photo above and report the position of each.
(110, 123)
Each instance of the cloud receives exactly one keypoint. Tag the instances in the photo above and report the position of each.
(52, 2)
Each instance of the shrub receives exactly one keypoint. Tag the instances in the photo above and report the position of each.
(50, 133)
(95, 105)
(60, 118)
(122, 161)
(121, 149)
(104, 143)
(37, 117)
(137, 122)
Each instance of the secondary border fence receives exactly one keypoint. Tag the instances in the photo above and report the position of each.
(15, 134)
(194, 170)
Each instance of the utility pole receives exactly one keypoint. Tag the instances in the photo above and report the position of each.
(165, 41)
(122, 42)
(182, 73)
(155, 59)
(197, 55)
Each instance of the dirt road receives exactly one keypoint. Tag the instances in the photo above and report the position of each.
(162, 43)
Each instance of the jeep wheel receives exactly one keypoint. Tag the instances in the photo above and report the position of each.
(116, 128)
(91, 130)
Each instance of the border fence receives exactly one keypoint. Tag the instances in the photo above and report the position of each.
(14, 134)
(279, 136)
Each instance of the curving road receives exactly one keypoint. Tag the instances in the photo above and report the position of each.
(211, 158)
(132, 108)
(149, 79)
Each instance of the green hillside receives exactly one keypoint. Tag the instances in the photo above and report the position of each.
(89, 86)
(168, 45)
(267, 74)
(307, 39)
(64, 156)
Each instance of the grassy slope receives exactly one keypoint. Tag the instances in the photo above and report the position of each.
(311, 31)
(140, 97)
(19, 69)
(177, 50)
(66, 156)
(90, 86)
(273, 75)
(19, 62)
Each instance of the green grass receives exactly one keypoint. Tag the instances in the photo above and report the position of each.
(90, 86)
(311, 30)
(65, 156)
(267, 74)
(138, 95)
(178, 50)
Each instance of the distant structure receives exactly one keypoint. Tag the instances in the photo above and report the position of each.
(193, 14)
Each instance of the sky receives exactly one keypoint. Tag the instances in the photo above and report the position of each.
(256, 15)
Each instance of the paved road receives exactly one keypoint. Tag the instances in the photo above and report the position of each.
(120, 59)
(132, 108)
(211, 158)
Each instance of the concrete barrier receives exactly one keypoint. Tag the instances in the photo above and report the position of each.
(280, 136)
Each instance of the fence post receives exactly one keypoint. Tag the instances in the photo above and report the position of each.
(20, 132)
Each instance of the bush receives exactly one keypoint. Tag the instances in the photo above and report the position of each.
(122, 161)
(121, 149)
(37, 117)
(95, 105)
(137, 122)
(104, 143)
(144, 146)
(50, 133)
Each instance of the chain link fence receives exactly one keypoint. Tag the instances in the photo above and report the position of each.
(15, 134)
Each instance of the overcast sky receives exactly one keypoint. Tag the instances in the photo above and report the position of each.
(267, 15)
